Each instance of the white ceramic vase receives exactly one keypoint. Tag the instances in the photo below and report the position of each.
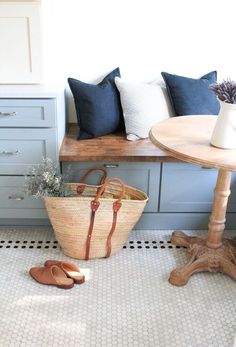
(224, 133)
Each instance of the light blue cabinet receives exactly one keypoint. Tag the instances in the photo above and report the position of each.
(190, 188)
(24, 113)
(22, 148)
(28, 132)
(14, 202)
(186, 188)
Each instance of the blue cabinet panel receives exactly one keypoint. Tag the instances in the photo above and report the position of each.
(27, 113)
(15, 202)
(190, 188)
(22, 148)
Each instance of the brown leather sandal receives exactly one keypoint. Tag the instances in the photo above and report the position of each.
(70, 269)
(51, 275)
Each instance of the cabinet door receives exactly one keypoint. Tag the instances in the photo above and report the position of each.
(20, 60)
(28, 113)
(190, 188)
(22, 148)
(144, 176)
(15, 203)
(187, 188)
(13, 195)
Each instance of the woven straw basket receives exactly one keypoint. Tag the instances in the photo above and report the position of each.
(96, 223)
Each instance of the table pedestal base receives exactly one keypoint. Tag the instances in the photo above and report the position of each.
(203, 258)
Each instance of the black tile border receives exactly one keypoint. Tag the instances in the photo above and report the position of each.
(53, 244)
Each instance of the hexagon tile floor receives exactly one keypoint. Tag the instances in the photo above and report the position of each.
(126, 300)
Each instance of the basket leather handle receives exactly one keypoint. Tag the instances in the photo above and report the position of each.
(108, 181)
(83, 179)
(88, 173)
(95, 205)
(116, 206)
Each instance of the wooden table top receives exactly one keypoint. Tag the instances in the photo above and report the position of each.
(187, 138)
(109, 148)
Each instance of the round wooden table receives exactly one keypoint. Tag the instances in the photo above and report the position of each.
(188, 138)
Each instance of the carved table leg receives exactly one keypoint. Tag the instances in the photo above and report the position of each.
(213, 254)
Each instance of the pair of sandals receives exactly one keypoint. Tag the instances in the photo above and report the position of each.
(60, 273)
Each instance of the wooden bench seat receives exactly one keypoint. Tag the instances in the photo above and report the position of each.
(114, 147)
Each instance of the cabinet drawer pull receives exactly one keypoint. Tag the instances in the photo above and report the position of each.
(8, 114)
(111, 165)
(10, 153)
(16, 198)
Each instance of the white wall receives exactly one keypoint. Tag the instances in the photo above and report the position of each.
(85, 39)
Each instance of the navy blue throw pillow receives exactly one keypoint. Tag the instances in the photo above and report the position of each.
(98, 107)
(191, 96)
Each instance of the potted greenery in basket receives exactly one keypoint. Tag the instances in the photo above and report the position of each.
(224, 133)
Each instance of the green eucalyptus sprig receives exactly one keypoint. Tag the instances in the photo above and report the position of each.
(45, 180)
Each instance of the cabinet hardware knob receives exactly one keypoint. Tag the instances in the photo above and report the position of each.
(16, 198)
(9, 153)
(111, 165)
(8, 114)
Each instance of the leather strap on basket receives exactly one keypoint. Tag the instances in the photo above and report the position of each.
(82, 186)
(116, 206)
(95, 205)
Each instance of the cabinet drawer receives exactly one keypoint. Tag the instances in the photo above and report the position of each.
(27, 113)
(12, 195)
(22, 148)
(144, 176)
(190, 188)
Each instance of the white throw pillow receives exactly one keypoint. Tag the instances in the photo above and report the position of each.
(143, 104)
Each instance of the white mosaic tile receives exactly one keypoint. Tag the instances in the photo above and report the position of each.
(126, 300)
